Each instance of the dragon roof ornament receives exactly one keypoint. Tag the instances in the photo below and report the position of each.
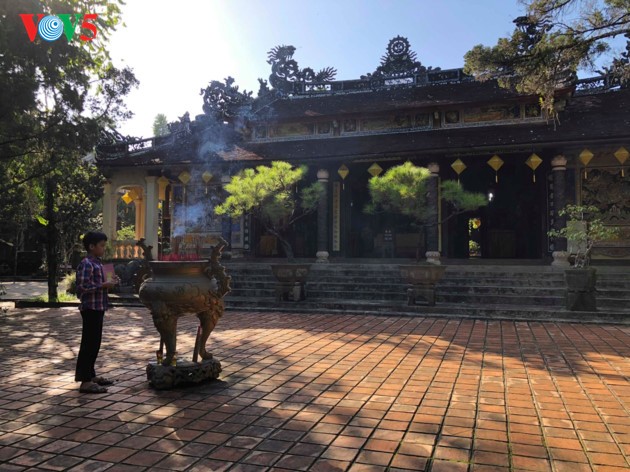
(285, 71)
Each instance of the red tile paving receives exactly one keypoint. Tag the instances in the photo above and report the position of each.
(321, 393)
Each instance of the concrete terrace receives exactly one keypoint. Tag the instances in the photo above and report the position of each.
(321, 393)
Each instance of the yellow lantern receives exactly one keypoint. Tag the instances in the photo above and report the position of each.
(622, 155)
(585, 157)
(496, 163)
(206, 176)
(133, 194)
(343, 173)
(533, 162)
(162, 183)
(375, 170)
(126, 198)
(458, 166)
(184, 177)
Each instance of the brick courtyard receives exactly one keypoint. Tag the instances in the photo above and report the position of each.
(321, 393)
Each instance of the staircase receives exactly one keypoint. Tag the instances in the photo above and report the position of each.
(484, 291)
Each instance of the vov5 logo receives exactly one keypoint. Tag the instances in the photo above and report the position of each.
(51, 27)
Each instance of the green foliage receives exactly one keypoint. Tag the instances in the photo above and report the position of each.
(160, 125)
(126, 233)
(62, 297)
(269, 193)
(69, 284)
(403, 189)
(585, 227)
(550, 43)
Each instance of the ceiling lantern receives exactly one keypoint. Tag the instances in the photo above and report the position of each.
(458, 166)
(184, 177)
(622, 155)
(533, 162)
(496, 163)
(343, 172)
(126, 198)
(375, 170)
(585, 157)
(207, 177)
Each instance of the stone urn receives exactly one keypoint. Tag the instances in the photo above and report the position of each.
(581, 292)
(176, 289)
(422, 279)
(291, 280)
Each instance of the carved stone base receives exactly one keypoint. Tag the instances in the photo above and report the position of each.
(292, 292)
(581, 301)
(560, 259)
(184, 373)
(433, 257)
(425, 292)
(322, 257)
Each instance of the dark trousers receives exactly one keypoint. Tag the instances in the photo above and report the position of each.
(90, 344)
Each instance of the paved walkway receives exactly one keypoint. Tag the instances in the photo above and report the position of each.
(321, 393)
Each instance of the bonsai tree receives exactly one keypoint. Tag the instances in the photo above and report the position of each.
(403, 189)
(269, 194)
(585, 227)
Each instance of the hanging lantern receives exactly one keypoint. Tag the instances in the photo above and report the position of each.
(622, 155)
(184, 177)
(496, 163)
(133, 194)
(458, 166)
(343, 173)
(162, 183)
(375, 170)
(533, 162)
(126, 198)
(585, 157)
(206, 176)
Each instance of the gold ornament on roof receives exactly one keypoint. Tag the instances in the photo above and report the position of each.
(622, 155)
(375, 170)
(585, 157)
(533, 162)
(496, 163)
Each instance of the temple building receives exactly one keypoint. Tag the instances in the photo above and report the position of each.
(495, 141)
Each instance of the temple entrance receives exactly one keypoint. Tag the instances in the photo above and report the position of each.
(511, 225)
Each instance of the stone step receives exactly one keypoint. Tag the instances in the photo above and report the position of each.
(496, 312)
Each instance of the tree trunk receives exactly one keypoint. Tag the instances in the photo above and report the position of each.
(51, 241)
(288, 250)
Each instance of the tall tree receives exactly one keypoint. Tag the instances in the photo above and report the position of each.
(160, 125)
(551, 43)
(56, 98)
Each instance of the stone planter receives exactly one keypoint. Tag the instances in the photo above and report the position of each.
(422, 279)
(580, 291)
(291, 280)
(174, 290)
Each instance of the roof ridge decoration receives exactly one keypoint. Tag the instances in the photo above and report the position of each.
(285, 71)
(399, 61)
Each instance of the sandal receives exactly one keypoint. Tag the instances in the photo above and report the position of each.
(93, 388)
(102, 381)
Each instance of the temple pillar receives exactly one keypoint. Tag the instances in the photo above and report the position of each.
(139, 203)
(559, 169)
(322, 218)
(433, 230)
(151, 203)
(109, 211)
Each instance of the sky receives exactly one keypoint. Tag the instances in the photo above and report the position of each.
(177, 47)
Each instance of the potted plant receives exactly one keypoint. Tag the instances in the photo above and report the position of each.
(269, 194)
(403, 190)
(584, 228)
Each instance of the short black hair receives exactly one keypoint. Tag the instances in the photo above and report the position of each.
(93, 237)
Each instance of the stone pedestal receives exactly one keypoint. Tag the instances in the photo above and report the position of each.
(433, 257)
(184, 373)
(322, 257)
(560, 259)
